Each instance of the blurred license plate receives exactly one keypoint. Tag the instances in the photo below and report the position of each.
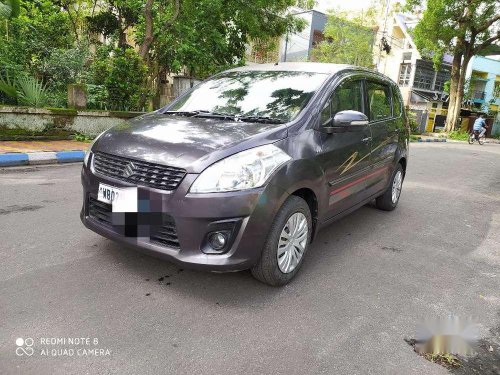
(108, 194)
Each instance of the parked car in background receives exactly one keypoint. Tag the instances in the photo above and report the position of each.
(242, 171)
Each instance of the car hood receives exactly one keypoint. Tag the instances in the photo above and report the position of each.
(191, 143)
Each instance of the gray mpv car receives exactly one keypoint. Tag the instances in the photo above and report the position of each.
(244, 169)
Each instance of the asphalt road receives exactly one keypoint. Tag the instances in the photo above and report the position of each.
(367, 282)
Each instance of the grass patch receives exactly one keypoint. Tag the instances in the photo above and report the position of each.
(446, 360)
(81, 137)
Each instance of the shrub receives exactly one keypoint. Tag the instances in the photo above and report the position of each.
(458, 135)
(97, 97)
(126, 80)
(414, 125)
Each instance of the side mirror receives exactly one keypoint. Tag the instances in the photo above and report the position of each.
(344, 121)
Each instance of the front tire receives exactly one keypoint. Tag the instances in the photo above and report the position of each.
(286, 244)
(389, 200)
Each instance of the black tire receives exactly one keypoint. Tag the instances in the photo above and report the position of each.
(267, 269)
(385, 201)
(480, 140)
(470, 139)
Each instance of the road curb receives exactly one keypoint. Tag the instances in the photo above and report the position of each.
(43, 157)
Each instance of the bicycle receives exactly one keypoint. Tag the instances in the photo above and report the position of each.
(474, 136)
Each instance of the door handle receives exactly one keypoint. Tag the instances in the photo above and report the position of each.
(366, 140)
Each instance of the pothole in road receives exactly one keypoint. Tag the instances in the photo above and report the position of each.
(485, 361)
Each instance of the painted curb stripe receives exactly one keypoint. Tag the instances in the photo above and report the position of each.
(13, 159)
(70, 156)
(41, 157)
(431, 140)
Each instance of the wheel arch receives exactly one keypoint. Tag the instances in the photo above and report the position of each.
(311, 199)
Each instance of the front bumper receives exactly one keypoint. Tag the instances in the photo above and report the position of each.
(195, 215)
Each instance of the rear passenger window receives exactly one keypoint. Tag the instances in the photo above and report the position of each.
(379, 99)
(396, 102)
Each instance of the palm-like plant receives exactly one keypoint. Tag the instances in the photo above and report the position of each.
(25, 90)
(9, 9)
(31, 92)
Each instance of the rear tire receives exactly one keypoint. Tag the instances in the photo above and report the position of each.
(470, 139)
(286, 244)
(389, 200)
(481, 140)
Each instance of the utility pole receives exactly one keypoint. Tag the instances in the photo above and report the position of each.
(383, 33)
(286, 46)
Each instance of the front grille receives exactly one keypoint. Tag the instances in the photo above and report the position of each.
(166, 235)
(138, 172)
(100, 211)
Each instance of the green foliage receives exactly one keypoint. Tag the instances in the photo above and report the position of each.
(8, 86)
(125, 81)
(31, 92)
(50, 39)
(458, 135)
(97, 97)
(25, 90)
(9, 9)
(414, 125)
(81, 137)
(347, 41)
(64, 66)
(455, 25)
(211, 35)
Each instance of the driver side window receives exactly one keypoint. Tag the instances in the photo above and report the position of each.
(348, 96)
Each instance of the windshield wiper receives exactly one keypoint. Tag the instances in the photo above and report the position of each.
(201, 113)
(264, 119)
(224, 116)
(181, 113)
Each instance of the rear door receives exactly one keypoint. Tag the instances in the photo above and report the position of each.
(345, 155)
(384, 132)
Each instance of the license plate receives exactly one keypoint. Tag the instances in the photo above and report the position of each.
(108, 194)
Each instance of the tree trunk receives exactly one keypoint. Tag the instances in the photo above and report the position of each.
(148, 30)
(454, 79)
(460, 93)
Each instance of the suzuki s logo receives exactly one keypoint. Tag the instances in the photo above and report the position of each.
(129, 170)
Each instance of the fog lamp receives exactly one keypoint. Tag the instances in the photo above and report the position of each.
(217, 240)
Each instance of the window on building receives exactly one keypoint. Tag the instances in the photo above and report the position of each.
(406, 56)
(424, 76)
(379, 98)
(404, 75)
(441, 77)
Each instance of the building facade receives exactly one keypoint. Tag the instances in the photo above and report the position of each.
(422, 87)
(298, 46)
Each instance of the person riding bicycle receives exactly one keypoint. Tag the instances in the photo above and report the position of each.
(479, 127)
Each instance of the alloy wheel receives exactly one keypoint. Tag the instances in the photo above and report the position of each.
(396, 186)
(292, 242)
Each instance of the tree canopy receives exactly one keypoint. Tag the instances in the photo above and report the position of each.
(348, 40)
(107, 44)
(463, 28)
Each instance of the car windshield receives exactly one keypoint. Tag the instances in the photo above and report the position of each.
(255, 95)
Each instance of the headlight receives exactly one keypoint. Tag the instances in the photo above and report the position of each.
(87, 154)
(245, 170)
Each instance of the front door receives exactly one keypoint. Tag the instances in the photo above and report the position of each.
(345, 156)
(384, 129)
